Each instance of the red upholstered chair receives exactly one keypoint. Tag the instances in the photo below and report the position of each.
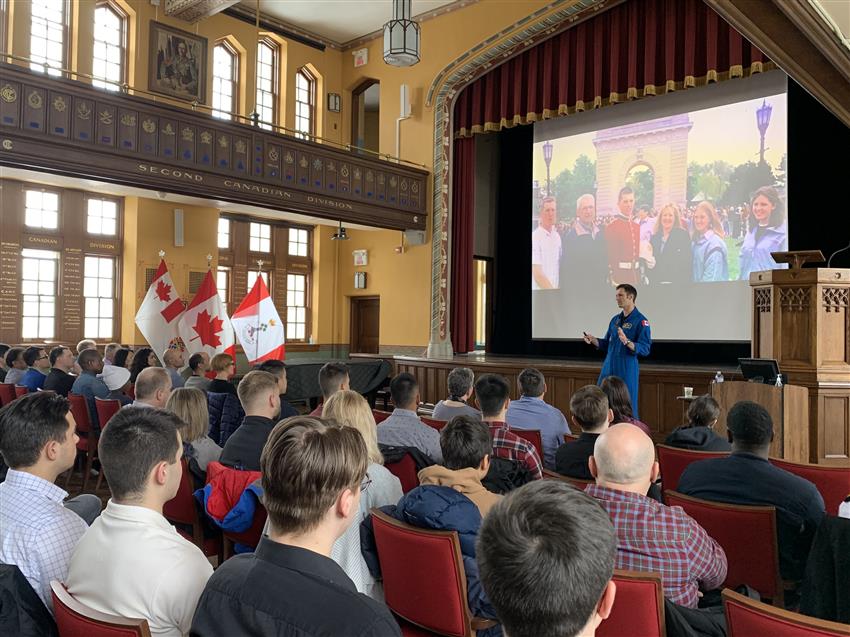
(638, 607)
(832, 482)
(78, 620)
(405, 471)
(578, 483)
(21, 390)
(436, 424)
(183, 509)
(672, 462)
(87, 445)
(746, 617)
(252, 536)
(533, 436)
(748, 536)
(380, 416)
(130, 390)
(570, 438)
(7, 394)
(106, 409)
(424, 580)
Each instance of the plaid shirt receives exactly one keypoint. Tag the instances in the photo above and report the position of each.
(510, 446)
(654, 537)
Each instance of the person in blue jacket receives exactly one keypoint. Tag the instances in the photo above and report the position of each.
(628, 337)
(768, 233)
(710, 262)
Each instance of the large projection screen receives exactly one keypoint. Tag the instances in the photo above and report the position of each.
(681, 195)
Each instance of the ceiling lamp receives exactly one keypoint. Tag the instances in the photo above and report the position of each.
(401, 36)
(340, 235)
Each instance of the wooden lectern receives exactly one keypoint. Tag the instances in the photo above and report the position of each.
(802, 319)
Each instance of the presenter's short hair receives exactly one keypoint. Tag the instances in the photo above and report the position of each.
(491, 391)
(546, 553)
(589, 407)
(629, 290)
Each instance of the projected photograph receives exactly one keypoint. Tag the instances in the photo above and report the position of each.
(696, 197)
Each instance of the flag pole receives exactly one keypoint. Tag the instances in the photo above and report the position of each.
(257, 333)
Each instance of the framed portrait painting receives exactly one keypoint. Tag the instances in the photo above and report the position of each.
(177, 63)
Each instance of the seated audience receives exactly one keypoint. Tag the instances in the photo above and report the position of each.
(621, 403)
(132, 562)
(15, 366)
(460, 382)
(123, 358)
(651, 536)
(172, 360)
(546, 559)
(190, 406)
(117, 379)
(109, 353)
(261, 402)
(59, 379)
(224, 368)
(153, 387)
(87, 384)
(85, 344)
(350, 409)
(747, 477)
(532, 412)
(467, 447)
(589, 411)
(143, 359)
(313, 475)
(403, 427)
(492, 395)
(698, 434)
(38, 532)
(3, 369)
(38, 365)
(278, 369)
(333, 377)
(198, 365)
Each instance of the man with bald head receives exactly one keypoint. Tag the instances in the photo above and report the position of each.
(153, 388)
(651, 536)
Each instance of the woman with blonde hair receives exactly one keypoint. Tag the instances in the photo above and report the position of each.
(710, 254)
(671, 247)
(380, 487)
(190, 405)
(224, 368)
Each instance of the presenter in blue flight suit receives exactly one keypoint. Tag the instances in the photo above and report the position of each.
(627, 338)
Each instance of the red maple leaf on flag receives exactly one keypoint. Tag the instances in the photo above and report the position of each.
(163, 291)
(207, 329)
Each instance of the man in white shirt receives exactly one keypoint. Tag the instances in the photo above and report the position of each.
(38, 441)
(132, 562)
(546, 249)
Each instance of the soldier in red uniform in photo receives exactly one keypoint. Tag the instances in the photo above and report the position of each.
(623, 239)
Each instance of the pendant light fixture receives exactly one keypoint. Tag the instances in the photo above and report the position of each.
(401, 36)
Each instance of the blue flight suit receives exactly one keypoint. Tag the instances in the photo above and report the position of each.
(620, 360)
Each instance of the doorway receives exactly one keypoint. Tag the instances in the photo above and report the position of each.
(365, 324)
(365, 115)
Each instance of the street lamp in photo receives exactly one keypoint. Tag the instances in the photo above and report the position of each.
(547, 157)
(763, 121)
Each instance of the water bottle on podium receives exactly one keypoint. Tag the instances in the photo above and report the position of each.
(718, 377)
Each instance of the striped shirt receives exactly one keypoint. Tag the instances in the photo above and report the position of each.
(508, 445)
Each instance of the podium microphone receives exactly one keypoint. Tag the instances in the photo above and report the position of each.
(829, 261)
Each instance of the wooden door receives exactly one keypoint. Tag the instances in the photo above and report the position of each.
(365, 324)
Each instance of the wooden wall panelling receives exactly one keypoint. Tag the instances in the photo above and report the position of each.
(12, 204)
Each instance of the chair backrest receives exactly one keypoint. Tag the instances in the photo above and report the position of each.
(380, 416)
(672, 462)
(533, 436)
(578, 483)
(746, 617)
(424, 580)
(405, 471)
(181, 508)
(80, 411)
(78, 620)
(7, 394)
(130, 390)
(747, 534)
(832, 482)
(638, 607)
(570, 438)
(106, 409)
(21, 390)
(436, 424)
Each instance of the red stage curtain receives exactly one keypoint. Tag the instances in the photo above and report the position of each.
(638, 48)
(462, 317)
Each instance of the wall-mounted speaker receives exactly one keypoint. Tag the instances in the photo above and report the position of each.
(178, 227)
(414, 237)
(405, 101)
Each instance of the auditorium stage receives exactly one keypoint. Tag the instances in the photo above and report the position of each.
(660, 384)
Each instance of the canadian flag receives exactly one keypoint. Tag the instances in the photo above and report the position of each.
(258, 325)
(204, 326)
(158, 315)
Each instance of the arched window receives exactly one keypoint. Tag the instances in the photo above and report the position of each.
(48, 35)
(225, 80)
(305, 103)
(267, 85)
(110, 46)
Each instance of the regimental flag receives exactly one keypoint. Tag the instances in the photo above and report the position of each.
(258, 325)
(204, 326)
(160, 312)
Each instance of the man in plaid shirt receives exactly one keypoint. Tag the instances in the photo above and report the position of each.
(651, 536)
(492, 395)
